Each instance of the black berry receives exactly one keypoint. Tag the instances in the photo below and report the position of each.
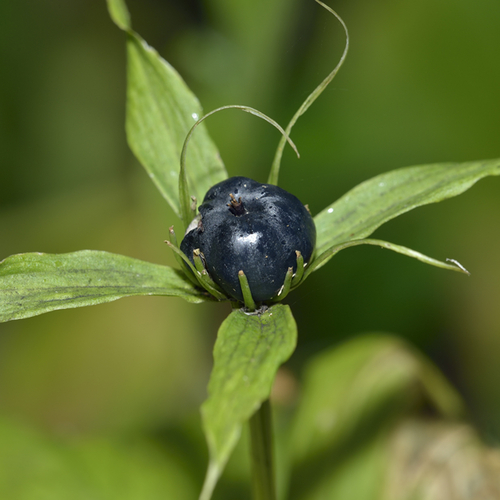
(253, 227)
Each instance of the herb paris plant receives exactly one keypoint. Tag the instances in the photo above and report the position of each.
(160, 113)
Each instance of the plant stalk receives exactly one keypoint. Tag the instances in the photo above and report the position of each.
(261, 436)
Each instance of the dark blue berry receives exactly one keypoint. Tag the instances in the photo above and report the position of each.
(253, 227)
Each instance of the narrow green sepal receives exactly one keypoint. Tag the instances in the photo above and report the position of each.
(179, 253)
(325, 256)
(204, 277)
(300, 269)
(210, 284)
(247, 293)
(198, 260)
(178, 258)
(285, 289)
(172, 236)
(201, 280)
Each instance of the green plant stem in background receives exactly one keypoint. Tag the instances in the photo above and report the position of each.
(261, 436)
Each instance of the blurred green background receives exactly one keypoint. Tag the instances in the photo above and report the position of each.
(420, 85)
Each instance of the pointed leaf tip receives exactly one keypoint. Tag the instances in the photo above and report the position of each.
(119, 13)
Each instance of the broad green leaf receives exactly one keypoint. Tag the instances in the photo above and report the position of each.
(160, 112)
(353, 390)
(36, 283)
(369, 205)
(248, 351)
(33, 466)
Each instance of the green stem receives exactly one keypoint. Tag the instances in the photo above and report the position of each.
(261, 435)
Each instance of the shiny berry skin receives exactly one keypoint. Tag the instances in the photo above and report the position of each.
(254, 227)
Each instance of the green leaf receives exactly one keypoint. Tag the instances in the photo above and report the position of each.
(36, 283)
(369, 205)
(160, 112)
(325, 256)
(248, 351)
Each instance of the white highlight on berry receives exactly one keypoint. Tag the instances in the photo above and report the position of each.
(250, 238)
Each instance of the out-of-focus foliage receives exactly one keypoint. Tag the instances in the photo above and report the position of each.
(376, 421)
(32, 466)
(420, 86)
